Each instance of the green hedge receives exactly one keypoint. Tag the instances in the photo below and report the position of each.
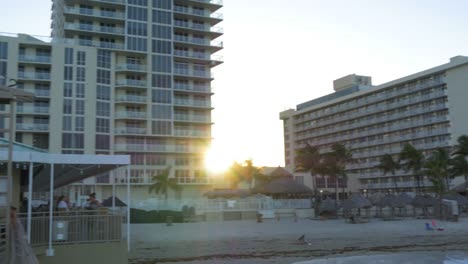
(138, 216)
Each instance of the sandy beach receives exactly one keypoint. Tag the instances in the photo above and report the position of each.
(276, 241)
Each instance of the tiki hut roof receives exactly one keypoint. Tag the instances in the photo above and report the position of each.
(405, 198)
(328, 205)
(391, 200)
(376, 197)
(282, 185)
(461, 200)
(425, 200)
(356, 201)
(108, 202)
(462, 187)
(227, 193)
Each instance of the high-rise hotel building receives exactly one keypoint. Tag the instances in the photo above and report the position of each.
(427, 109)
(121, 77)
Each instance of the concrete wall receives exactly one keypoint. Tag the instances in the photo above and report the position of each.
(457, 82)
(93, 253)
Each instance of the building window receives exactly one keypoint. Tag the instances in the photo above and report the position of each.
(72, 140)
(161, 96)
(67, 106)
(138, 2)
(104, 59)
(3, 50)
(79, 107)
(102, 109)
(162, 112)
(161, 81)
(162, 63)
(80, 90)
(161, 46)
(162, 127)
(138, 44)
(162, 32)
(102, 125)
(80, 74)
(103, 92)
(79, 123)
(162, 17)
(103, 76)
(68, 56)
(68, 73)
(68, 90)
(137, 28)
(103, 142)
(137, 13)
(67, 123)
(81, 58)
(162, 4)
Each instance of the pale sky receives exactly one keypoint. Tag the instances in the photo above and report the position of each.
(280, 53)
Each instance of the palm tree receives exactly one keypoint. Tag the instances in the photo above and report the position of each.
(245, 172)
(412, 160)
(459, 164)
(308, 160)
(341, 155)
(437, 169)
(162, 183)
(389, 165)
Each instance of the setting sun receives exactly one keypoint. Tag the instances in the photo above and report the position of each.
(217, 161)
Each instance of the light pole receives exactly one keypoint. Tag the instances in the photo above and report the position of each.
(321, 194)
(365, 192)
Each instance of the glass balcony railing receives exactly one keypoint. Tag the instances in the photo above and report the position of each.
(130, 82)
(95, 28)
(34, 75)
(34, 58)
(131, 98)
(32, 127)
(196, 88)
(30, 109)
(130, 114)
(130, 67)
(94, 12)
(130, 130)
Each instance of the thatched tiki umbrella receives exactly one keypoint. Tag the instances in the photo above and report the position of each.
(424, 201)
(356, 201)
(328, 206)
(283, 187)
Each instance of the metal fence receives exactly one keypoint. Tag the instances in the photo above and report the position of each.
(221, 204)
(75, 227)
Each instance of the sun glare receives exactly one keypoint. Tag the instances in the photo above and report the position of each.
(216, 161)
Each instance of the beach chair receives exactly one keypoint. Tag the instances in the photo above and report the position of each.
(437, 227)
(429, 227)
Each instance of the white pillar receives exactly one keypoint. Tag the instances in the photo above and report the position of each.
(128, 207)
(113, 189)
(50, 250)
(30, 189)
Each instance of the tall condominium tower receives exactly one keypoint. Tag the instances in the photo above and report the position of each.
(121, 77)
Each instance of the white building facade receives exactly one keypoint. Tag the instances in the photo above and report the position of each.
(425, 109)
(121, 77)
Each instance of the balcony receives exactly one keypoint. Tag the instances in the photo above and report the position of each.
(130, 131)
(34, 59)
(131, 67)
(192, 118)
(95, 13)
(193, 73)
(34, 75)
(192, 103)
(95, 43)
(35, 110)
(131, 98)
(131, 83)
(95, 28)
(158, 148)
(130, 114)
(32, 127)
(196, 180)
(198, 56)
(198, 13)
(199, 27)
(194, 88)
(190, 133)
(199, 41)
